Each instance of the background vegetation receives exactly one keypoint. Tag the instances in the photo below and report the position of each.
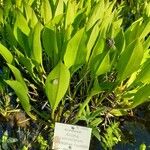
(79, 62)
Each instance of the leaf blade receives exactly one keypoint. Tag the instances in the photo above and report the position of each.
(72, 49)
(130, 60)
(21, 92)
(6, 53)
(57, 84)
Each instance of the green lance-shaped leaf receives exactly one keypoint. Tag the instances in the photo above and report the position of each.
(130, 60)
(22, 24)
(6, 54)
(97, 14)
(146, 44)
(92, 40)
(145, 30)
(18, 3)
(49, 40)
(57, 84)
(36, 44)
(30, 15)
(107, 20)
(141, 96)
(142, 147)
(46, 12)
(104, 65)
(59, 8)
(18, 76)
(30, 2)
(133, 31)
(21, 32)
(7, 5)
(147, 9)
(120, 41)
(118, 112)
(116, 27)
(98, 48)
(26, 62)
(1, 15)
(73, 48)
(70, 13)
(22, 94)
(144, 75)
(101, 64)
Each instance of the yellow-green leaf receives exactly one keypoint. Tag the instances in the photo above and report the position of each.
(46, 12)
(57, 84)
(22, 24)
(141, 96)
(72, 49)
(130, 60)
(21, 92)
(36, 45)
(18, 76)
(144, 75)
(6, 53)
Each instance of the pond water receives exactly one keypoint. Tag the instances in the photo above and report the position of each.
(136, 131)
(135, 134)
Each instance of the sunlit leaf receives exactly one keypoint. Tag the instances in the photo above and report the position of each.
(96, 133)
(96, 122)
(18, 3)
(59, 8)
(98, 48)
(6, 53)
(71, 55)
(147, 10)
(97, 14)
(145, 30)
(142, 147)
(22, 24)
(118, 112)
(36, 44)
(70, 13)
(22, 94)
(141, 96)
(144, 75)
(133, 31)
(101, 64)
(120, 41)
(146, 44)
(30, 2)
(18, 76)
(1, 15)
(30, 15)
(130, 60)
(57, 84)
(92, 40)
(46, 12)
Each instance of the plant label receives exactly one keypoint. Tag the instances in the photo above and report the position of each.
(71, 137)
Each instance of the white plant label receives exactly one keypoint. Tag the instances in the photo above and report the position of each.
(71, 137)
